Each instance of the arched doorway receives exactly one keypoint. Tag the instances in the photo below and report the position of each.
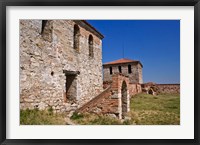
(124, 100)
(150, 91)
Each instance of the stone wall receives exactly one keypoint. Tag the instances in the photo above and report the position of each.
(48, 61)
(161, 88)
(111, 101)
(140, 75)
(135, 76)
(168, 88)
(134, 89)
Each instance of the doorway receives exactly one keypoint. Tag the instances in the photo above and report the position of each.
(70, 86)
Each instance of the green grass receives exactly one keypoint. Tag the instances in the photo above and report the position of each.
(92, 119)
(36, 117)
(162, 109)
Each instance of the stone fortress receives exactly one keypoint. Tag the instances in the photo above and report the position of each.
(61, 68)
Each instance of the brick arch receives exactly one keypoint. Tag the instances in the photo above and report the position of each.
(110, 101)
(123, 79)
(118, 82)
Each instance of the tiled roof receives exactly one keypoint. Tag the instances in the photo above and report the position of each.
(123, 60)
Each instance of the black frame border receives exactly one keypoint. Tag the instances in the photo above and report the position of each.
(5, 3)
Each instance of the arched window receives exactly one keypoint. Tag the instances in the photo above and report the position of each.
(129, 69)
(120, 69)
(76, 37)
(90, 43)
(110, 70)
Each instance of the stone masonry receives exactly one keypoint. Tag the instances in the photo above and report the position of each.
(168, 88)
(160, 88)
(60, 64)
(127, 67)
(61, 68)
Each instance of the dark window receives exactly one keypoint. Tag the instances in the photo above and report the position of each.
(44, 22)
(76, 37)
(110, 70)
(90, 43)
(120, 69)
(52, 73)
(129, 69)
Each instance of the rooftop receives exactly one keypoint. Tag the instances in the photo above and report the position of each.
(121, 61)
(101, 35)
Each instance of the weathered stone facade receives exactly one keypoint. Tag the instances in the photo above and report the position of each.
(127, 67)
(58, 68)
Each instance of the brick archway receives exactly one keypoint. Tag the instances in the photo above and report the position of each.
(113, 101)
(120, 84)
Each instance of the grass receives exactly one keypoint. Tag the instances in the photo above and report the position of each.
(92, 119)
(163, 109)
(36, 117)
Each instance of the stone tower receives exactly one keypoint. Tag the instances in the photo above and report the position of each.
(127, 67)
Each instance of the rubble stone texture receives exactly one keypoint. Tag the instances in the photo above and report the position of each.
(161, 88)
(168, 88)
(52, 72)
(130, 68)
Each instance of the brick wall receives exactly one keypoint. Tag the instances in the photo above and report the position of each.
(110, 100)
(104, 103)
(134, 89)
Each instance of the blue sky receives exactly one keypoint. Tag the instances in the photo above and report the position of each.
(156, 43)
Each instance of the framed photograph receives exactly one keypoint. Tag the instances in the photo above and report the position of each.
(99, 72)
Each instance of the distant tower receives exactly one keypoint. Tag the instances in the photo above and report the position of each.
(127, 67)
